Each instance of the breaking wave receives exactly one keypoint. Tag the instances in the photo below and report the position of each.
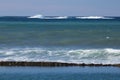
(61, 17)
(37, 16)
(47, 17)
(94, 17)
(104, 56)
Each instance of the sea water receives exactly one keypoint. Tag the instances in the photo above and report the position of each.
(59, 73)
(68, 39)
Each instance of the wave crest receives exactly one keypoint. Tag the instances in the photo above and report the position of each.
(61, 17)
(94, 17)
(104, 56)
(37, 16)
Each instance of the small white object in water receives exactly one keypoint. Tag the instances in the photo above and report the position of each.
(107, 37)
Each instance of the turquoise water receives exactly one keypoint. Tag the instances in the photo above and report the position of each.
(90, 33)
(59, 73)
(60, 40)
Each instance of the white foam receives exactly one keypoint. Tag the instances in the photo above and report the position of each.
(109, 50)
(93, 17)
(61, 17)
(107, 37)
(37, 16)
(105, 56)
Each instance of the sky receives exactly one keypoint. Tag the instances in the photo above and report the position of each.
(60, 7)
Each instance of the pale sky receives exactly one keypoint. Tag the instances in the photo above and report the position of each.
(60, 7)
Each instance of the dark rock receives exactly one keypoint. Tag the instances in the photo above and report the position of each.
(50, 64)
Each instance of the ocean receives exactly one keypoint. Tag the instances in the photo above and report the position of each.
(60, 39)
(59, 73)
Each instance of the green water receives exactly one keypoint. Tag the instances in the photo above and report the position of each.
(75, 33)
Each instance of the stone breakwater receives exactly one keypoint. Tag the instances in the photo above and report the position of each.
(51, 64)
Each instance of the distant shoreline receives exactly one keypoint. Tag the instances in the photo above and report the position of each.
(51, 64)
